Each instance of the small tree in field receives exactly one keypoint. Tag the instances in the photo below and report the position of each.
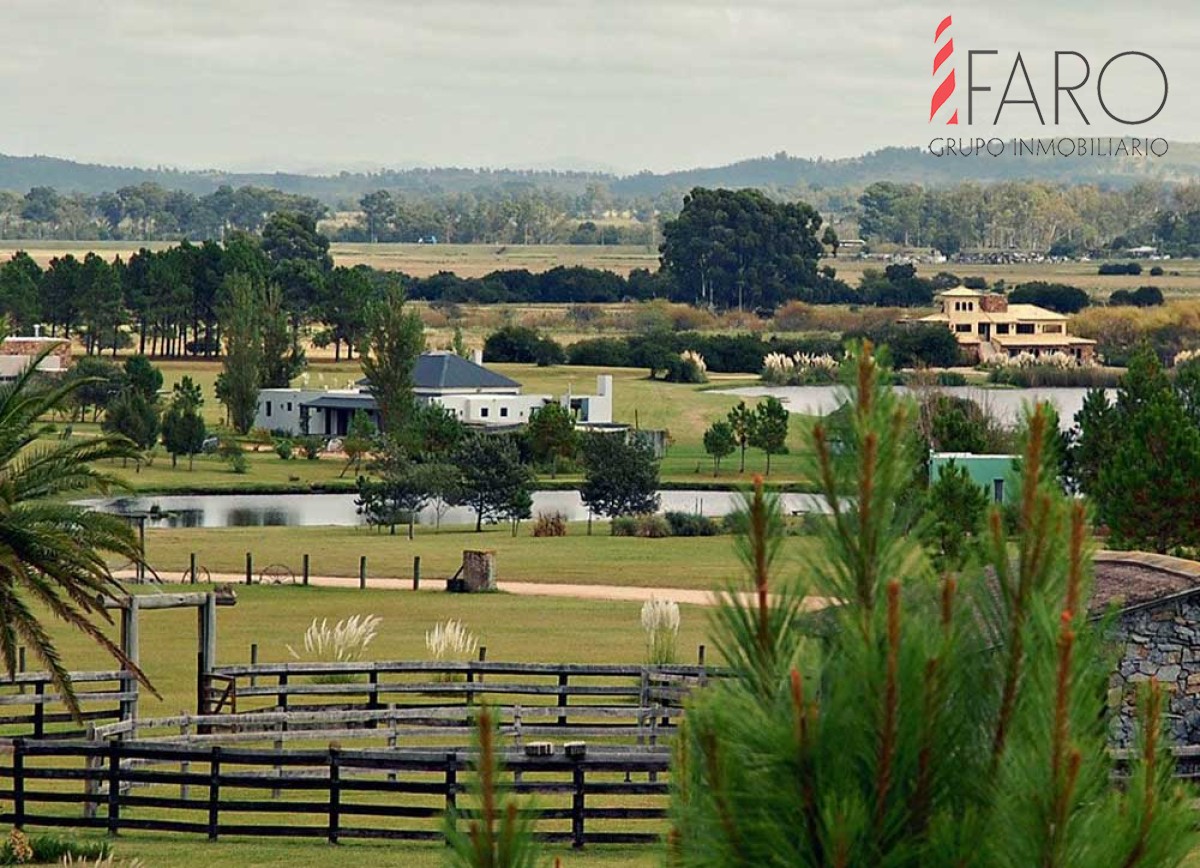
(719, 442)
(183, 428)
(621, 476)
(770, 429)
(741, 420)
(551, 434)
(957, 506)
(924, 719)
(492, 479)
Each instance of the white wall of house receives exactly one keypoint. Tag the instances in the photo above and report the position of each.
(484, 408)
(279, 409)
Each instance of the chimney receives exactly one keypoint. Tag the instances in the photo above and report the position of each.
(477, 356)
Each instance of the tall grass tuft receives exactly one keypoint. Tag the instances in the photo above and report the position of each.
(344, 642)
(660, 621)
(451, 642)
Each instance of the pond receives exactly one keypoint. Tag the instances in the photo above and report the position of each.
(1006, 405)
(267, 510)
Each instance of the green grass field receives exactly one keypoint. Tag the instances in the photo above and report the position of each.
(601, 559)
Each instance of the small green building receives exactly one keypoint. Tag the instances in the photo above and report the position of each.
(991, 472)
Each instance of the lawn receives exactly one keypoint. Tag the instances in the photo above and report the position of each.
(601, 559)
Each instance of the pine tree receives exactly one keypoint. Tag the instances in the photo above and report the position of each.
(922, 719)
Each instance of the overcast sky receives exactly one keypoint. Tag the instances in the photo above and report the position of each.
(618, 84)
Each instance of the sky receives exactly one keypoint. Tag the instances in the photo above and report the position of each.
(620, 85)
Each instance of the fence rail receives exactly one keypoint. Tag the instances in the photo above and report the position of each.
(375, 685)
(603, 796)
(30, 705)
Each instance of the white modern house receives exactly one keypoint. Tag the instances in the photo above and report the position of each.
(478, 396)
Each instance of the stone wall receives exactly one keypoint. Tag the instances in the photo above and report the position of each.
(1162, 641)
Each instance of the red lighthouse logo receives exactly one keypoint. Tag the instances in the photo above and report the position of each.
(945, 84)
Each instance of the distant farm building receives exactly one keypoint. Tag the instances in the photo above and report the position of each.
(16, 353)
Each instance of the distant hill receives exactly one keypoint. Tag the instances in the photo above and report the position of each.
(779, 172)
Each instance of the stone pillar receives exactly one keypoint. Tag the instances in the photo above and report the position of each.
(479, 570)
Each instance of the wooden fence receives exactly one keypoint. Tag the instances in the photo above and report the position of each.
(600, 797)
(407, 684)
(30, 705)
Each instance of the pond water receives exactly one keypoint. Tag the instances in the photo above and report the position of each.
(264, 510)
(1005, 404)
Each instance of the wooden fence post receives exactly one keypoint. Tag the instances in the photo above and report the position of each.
(18, 778)
(192, 566)
(39, 709)
(306, 569)
(91, 784)
(253, 662)
(562, 696)
(577, 804)
(185, 736)
(214, 792)
(451, 784)
(282, 698)
(362, 572)
(335, 795)
(416, 572)
(249, 567)
(114, 786)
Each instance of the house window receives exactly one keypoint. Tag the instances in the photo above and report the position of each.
(289, 406)
(1024, 328)
(268, 409)
(503, 412)
(997, 490)
(1055, 329)
(483, 412)
(1001, 328)
(964, 327)
(958, 305)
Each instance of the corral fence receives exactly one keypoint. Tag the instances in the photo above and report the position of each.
(30, 704)
(593, 796)
(622, 693)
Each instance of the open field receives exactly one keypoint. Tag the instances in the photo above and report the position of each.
(673, 562)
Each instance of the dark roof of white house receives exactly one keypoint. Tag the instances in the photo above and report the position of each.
(449, 372)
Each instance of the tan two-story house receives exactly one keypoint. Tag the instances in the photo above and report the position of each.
(986, 325)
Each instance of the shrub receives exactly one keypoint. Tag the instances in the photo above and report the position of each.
(688, 367)
(648, 526)
(1113, 268)
(691, 524)
(600, 353)
(310, 447)
(283, 448)
(660, 621)
(1052, 296)
(799, 369)
(522, 344)
(794, 316)
(550, 524)
(21, 849)
(1156, 271)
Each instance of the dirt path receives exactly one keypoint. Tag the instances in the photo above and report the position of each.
(618, 593)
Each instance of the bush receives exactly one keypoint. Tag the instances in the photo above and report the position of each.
(600, 353)
(1052, 296)
(1156, 271)
(20, 849)
(1116, 268)
(682, 369)
(690, 524)
(310, 447)
(522, 344)
(648, 526)
(550, 524)
(283, 448)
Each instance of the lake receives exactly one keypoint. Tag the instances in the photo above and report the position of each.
(300, 510)
(1005, 404)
